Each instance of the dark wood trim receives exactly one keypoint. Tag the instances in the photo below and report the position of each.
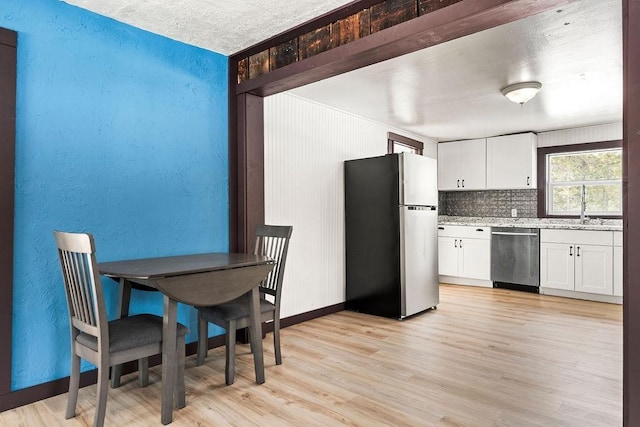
(43, 391)
(587, 146)
(309, 315)
(394, 137)
(631, 209)
(387, 44)
(456, 20)
(250, 149)
(542, 170)
(320, 21)
(8, 61)
(8, 37)
(60, 386)
(234, 165)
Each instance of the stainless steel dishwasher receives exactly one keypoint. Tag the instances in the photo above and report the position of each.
(515, 258)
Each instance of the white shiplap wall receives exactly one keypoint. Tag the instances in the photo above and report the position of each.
(305, 146)
(582, 135)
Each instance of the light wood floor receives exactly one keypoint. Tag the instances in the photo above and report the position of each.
(485, 357)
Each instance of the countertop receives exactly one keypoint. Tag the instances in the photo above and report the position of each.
(549, 223)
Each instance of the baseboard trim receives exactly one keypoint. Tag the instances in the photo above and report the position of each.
(43, 391)
(581, 295)
(453, 280)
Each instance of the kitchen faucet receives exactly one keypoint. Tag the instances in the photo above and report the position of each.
(583, 205)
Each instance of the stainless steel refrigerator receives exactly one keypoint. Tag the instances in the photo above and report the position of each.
(391, 222)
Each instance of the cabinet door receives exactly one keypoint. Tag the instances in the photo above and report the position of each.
(617, 271)
(511, 161)
(448, 166)
(448, 256)
(472, 164)
(594, 269)
(475, 258)
(557, 266)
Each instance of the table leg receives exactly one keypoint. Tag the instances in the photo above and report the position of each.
(124, 299)
(169, 362)
(256, 334)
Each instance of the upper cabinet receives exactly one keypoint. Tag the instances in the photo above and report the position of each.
(462, 166)
(497, 163)
(511, 162)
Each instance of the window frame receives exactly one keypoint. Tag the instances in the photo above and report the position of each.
(394, 138)
(542, 153)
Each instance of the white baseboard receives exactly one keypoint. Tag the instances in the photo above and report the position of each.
(465, 281)
(581, 295)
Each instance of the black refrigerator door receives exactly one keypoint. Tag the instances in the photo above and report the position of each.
(372, 236)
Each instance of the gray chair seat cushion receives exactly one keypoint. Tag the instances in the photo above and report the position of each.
(131, 332)
(234, 310)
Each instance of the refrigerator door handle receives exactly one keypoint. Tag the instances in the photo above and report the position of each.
(422, 208)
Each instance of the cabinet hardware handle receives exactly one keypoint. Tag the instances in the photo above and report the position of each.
(458, 183)
(577, 250)
(463, 183)
(460, 242)
(528, 181)
(479, 229)
(570, 250)
(440, 228)
(455, 243)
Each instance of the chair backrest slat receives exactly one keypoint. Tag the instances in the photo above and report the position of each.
(75, 294)
(79, 287)
(83, 288)
(273, 241)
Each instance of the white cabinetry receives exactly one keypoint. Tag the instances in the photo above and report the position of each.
(557, 269)
(617, 263)
(462, 165)
(580, 261)
(464, 253)
(511, 161)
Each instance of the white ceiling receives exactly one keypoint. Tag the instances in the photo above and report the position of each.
(223, 26)
(452, 90)
(449, 91)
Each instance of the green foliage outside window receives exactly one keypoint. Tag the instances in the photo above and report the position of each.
(600, 172)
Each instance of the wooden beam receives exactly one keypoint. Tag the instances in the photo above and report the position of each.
(428, 6)
(460, 19)
(8, 60)
(315, 42)
(351, 28)
(233, 164)
(392, 12)
(631, 208)
(320, 21)
(283, 54)
(250, 151)
(259, 64)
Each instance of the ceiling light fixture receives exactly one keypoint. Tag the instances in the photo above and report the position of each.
(521, 92)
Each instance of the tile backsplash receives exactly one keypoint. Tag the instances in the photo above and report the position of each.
(489, 203)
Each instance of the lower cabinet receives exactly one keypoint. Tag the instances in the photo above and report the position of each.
(579, 261)
(464, 252)
(557, 269)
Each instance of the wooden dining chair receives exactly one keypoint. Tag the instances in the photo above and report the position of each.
(271, 241)
(104, 343)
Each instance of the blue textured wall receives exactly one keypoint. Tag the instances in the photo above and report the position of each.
(121, 133)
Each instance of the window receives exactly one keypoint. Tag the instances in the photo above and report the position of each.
(399, 147)
(595, 171)
(401, 144)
